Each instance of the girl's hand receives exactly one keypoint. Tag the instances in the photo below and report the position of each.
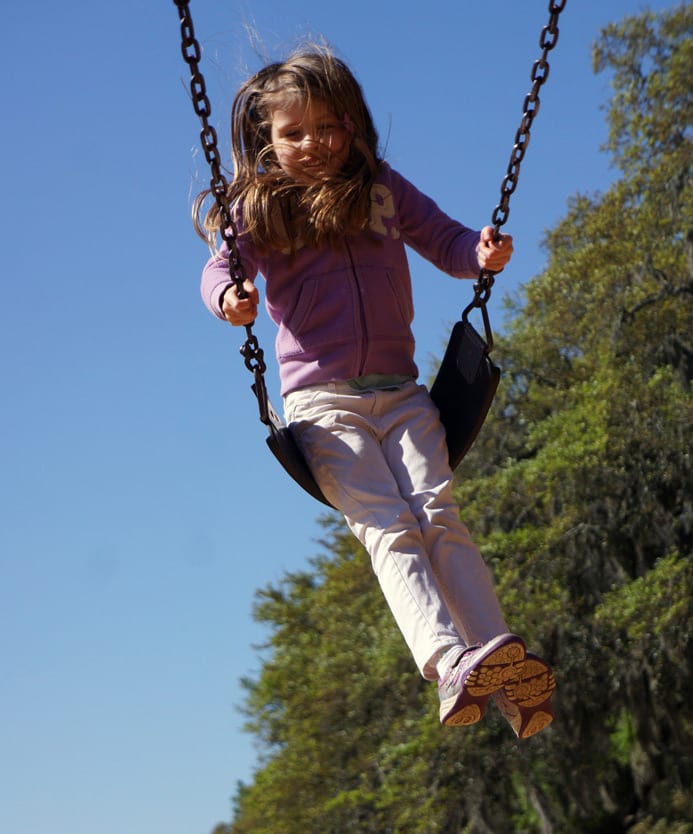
(493, 254)
(239, 311)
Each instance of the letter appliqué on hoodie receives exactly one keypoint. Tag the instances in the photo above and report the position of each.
(382, 208)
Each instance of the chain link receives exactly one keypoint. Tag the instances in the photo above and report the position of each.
(190, 47)
(530, 108)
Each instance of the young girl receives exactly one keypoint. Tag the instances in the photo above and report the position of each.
(325, 220)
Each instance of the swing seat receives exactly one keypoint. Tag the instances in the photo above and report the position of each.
(464, 389)
(283, 446)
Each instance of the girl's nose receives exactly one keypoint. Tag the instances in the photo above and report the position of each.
(309, 141)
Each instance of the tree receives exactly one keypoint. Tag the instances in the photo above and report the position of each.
(597, 413)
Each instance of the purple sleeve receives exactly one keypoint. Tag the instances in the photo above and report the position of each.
(216, 278)
(446, 243)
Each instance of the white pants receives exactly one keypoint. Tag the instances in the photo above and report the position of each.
(380, 457)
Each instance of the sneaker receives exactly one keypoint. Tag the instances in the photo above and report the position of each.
(480, 671)
(525, 701)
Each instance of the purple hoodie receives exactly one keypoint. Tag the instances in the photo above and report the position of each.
(346, 312)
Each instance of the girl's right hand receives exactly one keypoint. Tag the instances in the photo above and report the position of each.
(240, 311)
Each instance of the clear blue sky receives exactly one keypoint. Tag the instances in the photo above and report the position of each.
(139, 507)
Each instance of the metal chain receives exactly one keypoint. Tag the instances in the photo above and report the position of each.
(540, 72)
(190, 47)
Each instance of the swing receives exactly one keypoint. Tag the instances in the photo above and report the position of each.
(467, 379)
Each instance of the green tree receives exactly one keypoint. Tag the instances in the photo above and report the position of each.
(585, 504)
(579, 492)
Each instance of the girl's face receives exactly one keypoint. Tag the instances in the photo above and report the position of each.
(310, 142)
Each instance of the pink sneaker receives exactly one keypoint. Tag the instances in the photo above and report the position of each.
(480, 671)
(525, 701)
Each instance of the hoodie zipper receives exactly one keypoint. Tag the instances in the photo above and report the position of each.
(362, 312)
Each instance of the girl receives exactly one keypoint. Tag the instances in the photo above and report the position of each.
(325, 220)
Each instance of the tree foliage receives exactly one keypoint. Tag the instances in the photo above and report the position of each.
(578, 491)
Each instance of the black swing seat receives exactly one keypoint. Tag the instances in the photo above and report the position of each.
(464, 388)
(283, 446)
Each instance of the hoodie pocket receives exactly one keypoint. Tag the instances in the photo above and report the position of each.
(387, 303)
(324, 315)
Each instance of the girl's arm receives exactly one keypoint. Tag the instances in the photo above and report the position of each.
(217, 289)
(448, 244)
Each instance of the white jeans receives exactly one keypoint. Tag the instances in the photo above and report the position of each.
(380, 457)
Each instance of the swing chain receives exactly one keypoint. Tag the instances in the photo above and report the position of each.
(190, 47)
(539, 74)
(252, 353)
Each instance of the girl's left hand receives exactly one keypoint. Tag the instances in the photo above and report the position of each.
(493, 254)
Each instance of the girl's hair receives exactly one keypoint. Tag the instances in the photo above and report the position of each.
(276, 211)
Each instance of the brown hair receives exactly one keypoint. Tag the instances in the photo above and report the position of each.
(275, 210)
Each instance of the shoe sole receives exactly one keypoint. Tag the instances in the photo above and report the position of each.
(501, 664)
(470, 712)
(534, 684)
(497, 669)
(537, 721)
(525, 702)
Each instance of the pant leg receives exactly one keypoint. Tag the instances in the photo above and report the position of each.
(340, 434)
(414, 446)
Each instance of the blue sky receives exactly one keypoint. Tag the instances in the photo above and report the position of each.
(139, 507)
